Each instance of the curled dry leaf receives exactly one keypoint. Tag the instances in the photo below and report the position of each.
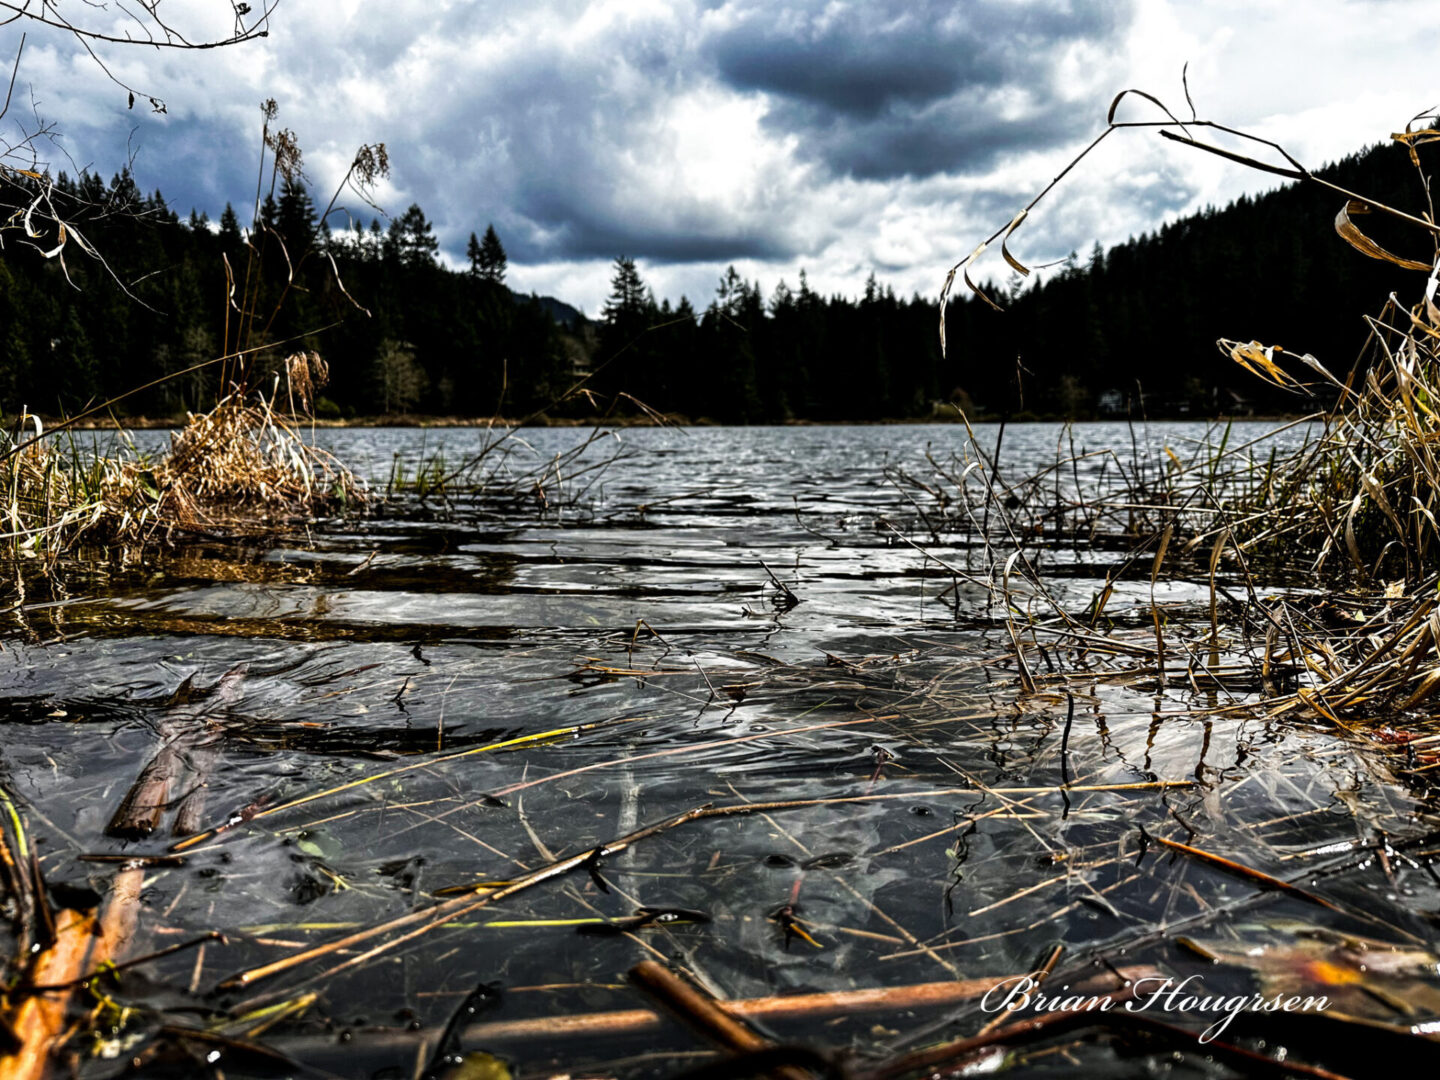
(1259, 360)
(1352, 235)
(1019, 267)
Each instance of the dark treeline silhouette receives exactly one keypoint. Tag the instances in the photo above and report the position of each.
(436, 341)
(1137, 326)
(1126, 330)
(1131, 331)
(745, 359)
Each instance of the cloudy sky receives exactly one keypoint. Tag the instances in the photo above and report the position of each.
(840, 136)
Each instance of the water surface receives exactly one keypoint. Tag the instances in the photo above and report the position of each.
(720, 616)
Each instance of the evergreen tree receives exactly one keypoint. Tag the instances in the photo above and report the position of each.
(295, 219)
(623, 352)
(625, 307)
(413, 239)
(229, 229)
(488, 261)
(472, 252)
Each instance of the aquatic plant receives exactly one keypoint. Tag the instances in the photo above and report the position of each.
(1359, 500)
(504, 469)
(241, 466)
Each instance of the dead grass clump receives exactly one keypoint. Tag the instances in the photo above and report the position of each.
(243, 466)
(1366, 492)
(50, 496)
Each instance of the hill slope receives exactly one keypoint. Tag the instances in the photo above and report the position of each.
(1147, 313)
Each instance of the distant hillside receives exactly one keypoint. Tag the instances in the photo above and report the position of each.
(1121, 332)
(1143, 317)
(571, 318)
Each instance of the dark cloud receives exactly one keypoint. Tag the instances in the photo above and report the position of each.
(570, 153)
(959, 134)
(575, 223)
(691, 134)
(882, 90)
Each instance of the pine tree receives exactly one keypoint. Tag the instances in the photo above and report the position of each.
(488, 261)
(730, 293)
(229, 229)
(782, 300)
(412, 239)
(624, 310)
(625, 350)
(295, 219)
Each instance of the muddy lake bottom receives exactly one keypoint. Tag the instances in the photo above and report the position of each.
(634, 658)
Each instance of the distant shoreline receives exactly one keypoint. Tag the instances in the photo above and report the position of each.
(163, 423)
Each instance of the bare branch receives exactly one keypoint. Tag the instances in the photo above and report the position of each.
(159, 33)
(28, 193)
(152, 29)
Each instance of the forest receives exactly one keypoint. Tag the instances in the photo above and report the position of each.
(1129, 331)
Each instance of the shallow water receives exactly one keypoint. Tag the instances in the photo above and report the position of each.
(644, 628)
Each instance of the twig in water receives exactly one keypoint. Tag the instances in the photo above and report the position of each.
(1257, 876)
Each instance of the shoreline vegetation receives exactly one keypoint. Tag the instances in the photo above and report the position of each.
(501, 423)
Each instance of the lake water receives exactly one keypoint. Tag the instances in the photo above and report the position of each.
(718, 616)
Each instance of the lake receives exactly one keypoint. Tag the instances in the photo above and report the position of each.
(717, 617)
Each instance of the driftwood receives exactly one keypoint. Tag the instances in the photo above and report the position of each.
(177, 773)
(779, 1007)
(82, 944)
(703, 1013)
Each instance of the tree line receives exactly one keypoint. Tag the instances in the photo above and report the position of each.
(400, 332)
(1131, 331)
(1125, 331)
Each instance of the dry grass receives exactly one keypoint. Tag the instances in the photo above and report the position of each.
(50, 496)
(1363, 498)
(1357, 508)
(1352, 509)
(241, 467)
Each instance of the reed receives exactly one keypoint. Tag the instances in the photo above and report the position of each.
(1354, 505)
(242, 466)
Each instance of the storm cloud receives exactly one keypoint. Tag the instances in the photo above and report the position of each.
(840, 136)
(880, 90)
